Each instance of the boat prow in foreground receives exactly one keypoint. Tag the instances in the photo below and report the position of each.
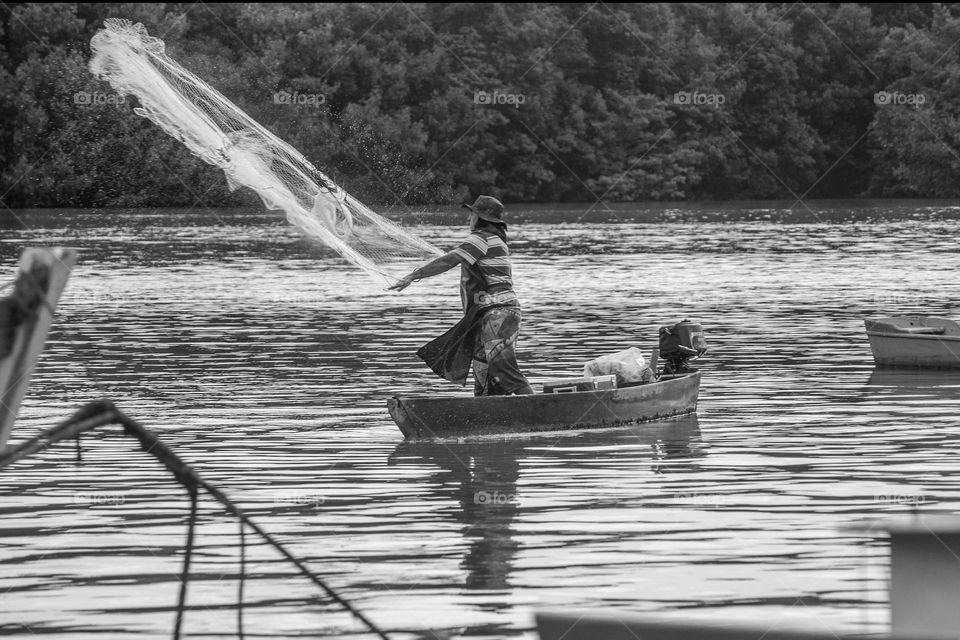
(423, 418)
(921, 342)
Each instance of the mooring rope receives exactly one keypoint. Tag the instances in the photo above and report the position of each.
(103, 412)
(243, 576)
(188, 554)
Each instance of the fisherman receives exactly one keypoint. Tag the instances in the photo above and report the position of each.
(486, 337)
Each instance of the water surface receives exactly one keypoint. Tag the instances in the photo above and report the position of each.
(265, 361)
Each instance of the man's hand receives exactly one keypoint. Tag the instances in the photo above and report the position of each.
(401, 284)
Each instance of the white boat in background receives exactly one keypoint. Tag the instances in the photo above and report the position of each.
(921, 342)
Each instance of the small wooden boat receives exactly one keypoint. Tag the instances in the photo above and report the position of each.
(457, 417)
(921, 342)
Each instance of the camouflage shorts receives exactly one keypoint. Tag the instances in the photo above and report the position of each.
(495, 368)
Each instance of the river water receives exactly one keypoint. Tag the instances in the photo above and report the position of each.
(266, 362)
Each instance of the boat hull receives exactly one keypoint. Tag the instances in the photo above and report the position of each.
(910, 342)
(456, 417)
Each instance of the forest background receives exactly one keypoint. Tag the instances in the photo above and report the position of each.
(539, 102)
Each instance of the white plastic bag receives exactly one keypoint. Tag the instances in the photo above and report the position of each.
(628, 365)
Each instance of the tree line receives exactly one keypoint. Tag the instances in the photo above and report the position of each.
(548, 102)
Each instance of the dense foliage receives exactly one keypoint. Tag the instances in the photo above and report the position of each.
(432, 103)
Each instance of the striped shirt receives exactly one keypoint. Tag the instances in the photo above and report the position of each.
(491, 257)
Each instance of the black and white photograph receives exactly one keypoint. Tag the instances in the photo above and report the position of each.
(487, 321)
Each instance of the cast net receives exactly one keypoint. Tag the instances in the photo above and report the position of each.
(219, 133)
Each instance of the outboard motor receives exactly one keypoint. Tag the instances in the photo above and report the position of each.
(679, 344)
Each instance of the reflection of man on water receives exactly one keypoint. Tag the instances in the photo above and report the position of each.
(489, 502)
(482, 479)
(486, 337)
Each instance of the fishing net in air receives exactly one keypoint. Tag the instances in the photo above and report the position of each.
(219, 133)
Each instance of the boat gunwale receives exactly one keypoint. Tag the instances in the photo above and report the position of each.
(905, 335)
(565, 396)
(899, 327)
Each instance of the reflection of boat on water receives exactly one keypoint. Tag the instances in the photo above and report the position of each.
(907, 384)
(922, 342)
(668, 438)
(481, 476)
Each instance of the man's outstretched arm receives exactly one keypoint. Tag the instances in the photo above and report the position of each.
(435, 267)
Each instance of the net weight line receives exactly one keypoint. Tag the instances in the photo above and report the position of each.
(102, 413)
